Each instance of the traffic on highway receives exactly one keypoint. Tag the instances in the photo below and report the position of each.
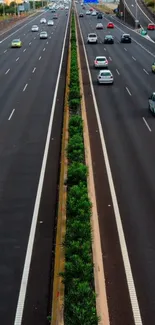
(122, 84)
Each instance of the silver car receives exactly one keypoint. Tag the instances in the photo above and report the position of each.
(43, 35)
(101, 62)
(34, 28)
(88, 12)
(50, 23)
(42, 21)
(105, 77)
(94, 13)
(92, 38)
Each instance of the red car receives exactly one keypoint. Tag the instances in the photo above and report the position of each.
(91, 9)
(110, 25)
(151, 27)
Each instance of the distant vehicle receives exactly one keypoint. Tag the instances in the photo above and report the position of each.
(42, 21)
(88, 12)
(99, 26)
(94, 13)
(108, 39)
(50, 23)
(99, 15)
(91, 9)
(81, 14)
(16, 43)
(34, 28)
(110, 25)
(55, 16)
(66, 8)
(152, 103)
(92, 38)
(43, 35)
(53, 10)
(153, 67)
(101, 62)
(105, 77)
(83, 7)
(151, 27)
(126, 38)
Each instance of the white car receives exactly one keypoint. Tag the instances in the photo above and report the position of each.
(99, 26)
(101, 62)
(34, 28)
(105, 77)
(88, 12)
(94, 13)
(42, 21)
(43, 35)
(92, 38)
(50, 23)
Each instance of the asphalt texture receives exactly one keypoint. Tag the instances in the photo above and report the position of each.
(27, 78)
(129, 130)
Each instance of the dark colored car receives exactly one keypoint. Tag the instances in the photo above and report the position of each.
(55, 16)
(108, 39)
(125, 38)
(81, 14)
(99, 16)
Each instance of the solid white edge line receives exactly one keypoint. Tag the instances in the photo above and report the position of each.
(147, 124)
(125, 256)
(11, 115)
(24, 281)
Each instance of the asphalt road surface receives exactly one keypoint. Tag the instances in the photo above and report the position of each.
(27, 84)
(129, 131)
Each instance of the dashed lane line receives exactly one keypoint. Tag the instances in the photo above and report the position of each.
(44, 49)
(5, 51)
(39, 58)
(30, 43)
(118, 72)
(24, 50)
(17, 59)
(25, 87)
(7, 71)
(11, 115)
(127, 89)
(145, 71)
(125, 49)
(133, 58)
(147, 125)
(34, 70)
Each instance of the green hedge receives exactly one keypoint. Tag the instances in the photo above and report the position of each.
(80, 298)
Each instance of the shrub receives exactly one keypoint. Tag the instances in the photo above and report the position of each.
(75, 150)
(78, 203)
(77, 172)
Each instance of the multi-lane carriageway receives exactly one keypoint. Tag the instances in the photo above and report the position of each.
(129, 134)
(31, 97)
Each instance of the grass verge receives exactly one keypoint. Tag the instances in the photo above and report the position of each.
(105, 8)
(78, 276)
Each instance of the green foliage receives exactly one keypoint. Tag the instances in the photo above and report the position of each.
(75, 150)
(75, 125)
(77, 173)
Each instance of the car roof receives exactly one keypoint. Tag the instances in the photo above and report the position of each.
(92, 34)
(16, 40)
(110, 22)
(105, 71)
(125, 34)
(43, 32)
(110, 36)
(101, 57)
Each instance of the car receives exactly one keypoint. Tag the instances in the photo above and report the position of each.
(101, 62)
(55, 16)
(153, 67)
(151, 26)
(110, 25)
(16, 43)
(50, 23)
(152, 103)
(91, 9)
(34, 28)
(81, 14)
(66, 8)
(99, 15)
(88, 12)
(43, 35)
(92, 38)
(83, 7)
(105, 77)
(53, 10)
(94, 13)
(125, 38)
(108, 39)
(99, 26)
(42, 21)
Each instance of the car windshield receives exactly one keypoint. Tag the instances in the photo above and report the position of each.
(106, 74)
(92, 35)
(108, 36)
(101, 59)
(16, 40)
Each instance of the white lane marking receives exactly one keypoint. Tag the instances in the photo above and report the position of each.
(24, 50)
(7, 71)
(145, 71)
(40, 58)
(46, 42)
(133, 58)
(25, 87)
(147, 124)
(24, 34)
(17, 59)
(44, 49)
(5, 51)
(34, 70)
(25, 275)
(50, 36)
(11, 115)
(21, 28)
(125, 255)
(110, 58)
(117, 72)
(34, 37)
(125, 49)
(104, 49)
(30, 43)
(128, 91)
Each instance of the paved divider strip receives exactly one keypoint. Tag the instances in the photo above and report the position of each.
(58, 287)
(99, 279)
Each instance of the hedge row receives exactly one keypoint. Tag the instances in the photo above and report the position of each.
(80, 298)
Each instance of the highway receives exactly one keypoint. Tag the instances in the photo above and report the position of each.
(28, 77)
(129, 131)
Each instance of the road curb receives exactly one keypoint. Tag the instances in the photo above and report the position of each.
(58, 287)
(99, 278)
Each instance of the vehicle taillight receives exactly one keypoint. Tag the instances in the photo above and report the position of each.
(96, 62)
(106, 61)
